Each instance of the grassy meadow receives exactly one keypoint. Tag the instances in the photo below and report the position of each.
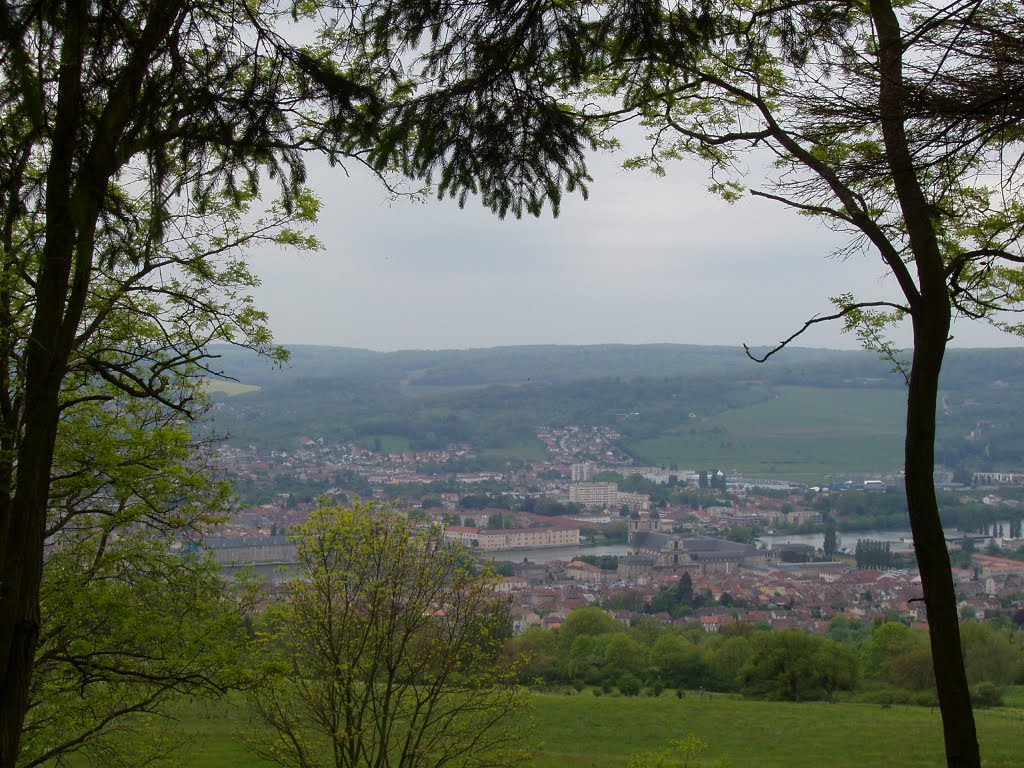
(802, 434)
(229, 388)
(586, 731)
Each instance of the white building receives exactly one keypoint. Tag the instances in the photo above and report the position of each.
(594, 494)
(514, 538)
(582, 472)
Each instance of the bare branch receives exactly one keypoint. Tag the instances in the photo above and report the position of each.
(822, 319)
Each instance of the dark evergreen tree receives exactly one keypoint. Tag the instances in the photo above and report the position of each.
(830, 546)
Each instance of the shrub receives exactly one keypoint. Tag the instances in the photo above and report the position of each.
(629, 684)
(987, 695)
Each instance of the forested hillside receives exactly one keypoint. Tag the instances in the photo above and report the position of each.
(809, 410)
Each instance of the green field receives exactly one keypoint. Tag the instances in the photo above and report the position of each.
(802, 434)
(527, 450)
(394, 444)
(602, 732)
(229, 388)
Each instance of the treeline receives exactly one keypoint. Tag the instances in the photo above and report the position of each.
(862, 510)
(876, 555)
(885, 662)
(962, 369)
(493, 417)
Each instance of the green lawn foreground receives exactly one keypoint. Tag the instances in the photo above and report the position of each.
(602, 732)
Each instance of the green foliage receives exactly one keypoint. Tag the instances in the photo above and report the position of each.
(831, 542)
(131, 628)
(678, 600)
(388, 649)
(885, 663)
(617, 531)
(986, 695)
(892, 645)
(131, 620)
(992, 655)
(679, 662)
(134, 141)
(726, 660)
(550, 508)
(681, 753)
(741, 533)
(796, 666)
(914, 670)
(625, 600)
(872, 554)
(588, 621)
(539, 655)
(629, 684)
(843, 629)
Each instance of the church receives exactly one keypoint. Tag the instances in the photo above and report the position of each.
(698, 554)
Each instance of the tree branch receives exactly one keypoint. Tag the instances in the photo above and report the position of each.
(821, 319)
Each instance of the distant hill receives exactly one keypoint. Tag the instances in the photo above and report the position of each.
(804, 412)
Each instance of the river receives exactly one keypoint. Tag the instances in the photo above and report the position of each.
(899, 541)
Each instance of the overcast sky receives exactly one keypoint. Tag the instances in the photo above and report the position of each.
(644, 260)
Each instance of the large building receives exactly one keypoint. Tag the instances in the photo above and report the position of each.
(594, 494)
(637, 502)
(986, 566)
(514, 538)
(608, 495)
(238, 550)
(700, 554)
(582, 472)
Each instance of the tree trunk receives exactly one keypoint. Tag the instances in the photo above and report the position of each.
(961, 740)
(930, 310)
(19, 615)
(24, 538)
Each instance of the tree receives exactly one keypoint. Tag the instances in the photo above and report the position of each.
(780, 666)
(743, 534)
(991, 654)
(727, 659)
(870, 114)
(134, 138)
(794, 665)
(623, 654)
(873, 554)
(589, 620)
(684, 589)
(131, 620)
(836, 667)
(388, 651)
(129, 627)
(890, 642)
(679, 663)
(913, 670)
(830, 546)
(539, 657)
(585, 659)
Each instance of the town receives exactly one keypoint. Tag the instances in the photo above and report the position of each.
(563, 535)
